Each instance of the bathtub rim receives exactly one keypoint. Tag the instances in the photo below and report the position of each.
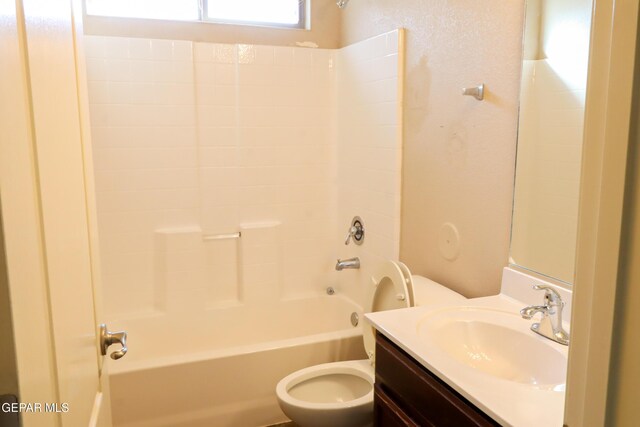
(174, 360)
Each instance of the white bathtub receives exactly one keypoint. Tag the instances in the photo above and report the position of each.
(220, 367)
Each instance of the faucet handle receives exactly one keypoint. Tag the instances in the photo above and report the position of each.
(551, 296)
(356, 231)
(352, 232)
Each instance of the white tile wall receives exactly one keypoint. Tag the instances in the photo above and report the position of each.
(266, 152)
(204, 136)
(145, 153)
(261, 261)
(193, 139)
(369, 154)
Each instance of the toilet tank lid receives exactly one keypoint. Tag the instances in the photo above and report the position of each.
(427, 291)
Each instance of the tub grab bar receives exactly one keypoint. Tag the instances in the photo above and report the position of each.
(221, 236)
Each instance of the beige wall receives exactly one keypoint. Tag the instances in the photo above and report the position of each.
(8, 369)
(622, 406)
(623, 409)
(459, 154)
(324, 31)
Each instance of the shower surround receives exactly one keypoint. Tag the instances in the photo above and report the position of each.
(197, 139)
(195, 142)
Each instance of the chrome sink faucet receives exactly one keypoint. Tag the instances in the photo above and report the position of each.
(348, 263)
(550, 326)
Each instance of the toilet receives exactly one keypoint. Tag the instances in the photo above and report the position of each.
(340, 394)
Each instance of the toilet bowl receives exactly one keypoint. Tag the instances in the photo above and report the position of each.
(340, 394)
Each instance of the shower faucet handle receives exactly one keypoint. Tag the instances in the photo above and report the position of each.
(352, 232)
(356, 231)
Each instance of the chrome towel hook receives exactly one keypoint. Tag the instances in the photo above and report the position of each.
(477, 92)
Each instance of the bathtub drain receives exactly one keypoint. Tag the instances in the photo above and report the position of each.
(354, 319)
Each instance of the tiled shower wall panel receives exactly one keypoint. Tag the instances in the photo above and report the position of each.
(267, 154)
(144, 137)
(369, 153)
(195, 137)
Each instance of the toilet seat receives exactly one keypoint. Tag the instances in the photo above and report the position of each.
(408, 280)
(392, 289)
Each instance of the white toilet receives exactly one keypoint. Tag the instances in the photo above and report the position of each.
(340, 394)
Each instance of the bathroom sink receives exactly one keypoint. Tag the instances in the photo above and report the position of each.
(496, 343)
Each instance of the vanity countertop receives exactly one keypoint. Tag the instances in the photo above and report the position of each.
(511, 403)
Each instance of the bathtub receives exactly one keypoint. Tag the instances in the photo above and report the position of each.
(191, 371)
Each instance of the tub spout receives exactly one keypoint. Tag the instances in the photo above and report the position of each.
(348, 263)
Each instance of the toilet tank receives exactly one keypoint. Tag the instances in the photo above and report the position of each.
(426, 292)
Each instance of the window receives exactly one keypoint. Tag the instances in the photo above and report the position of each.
(183, 10)
(277, 13)
(283, 12)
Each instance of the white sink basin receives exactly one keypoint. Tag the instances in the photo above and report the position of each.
(497, 343)
(485, 351)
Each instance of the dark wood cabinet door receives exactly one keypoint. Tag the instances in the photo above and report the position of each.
(420, 395)
(386, 413)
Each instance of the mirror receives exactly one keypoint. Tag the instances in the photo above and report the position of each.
(550, 130)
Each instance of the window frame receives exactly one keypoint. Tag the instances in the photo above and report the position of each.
(301, 25)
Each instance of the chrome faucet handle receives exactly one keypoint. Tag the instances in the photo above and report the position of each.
(546, 288)
(532, 310)
(352, 232)
(356, 231)
(551, 297)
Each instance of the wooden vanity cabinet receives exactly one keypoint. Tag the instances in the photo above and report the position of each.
(407, 394)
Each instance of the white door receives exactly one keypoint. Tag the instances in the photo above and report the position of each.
(48, 214)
